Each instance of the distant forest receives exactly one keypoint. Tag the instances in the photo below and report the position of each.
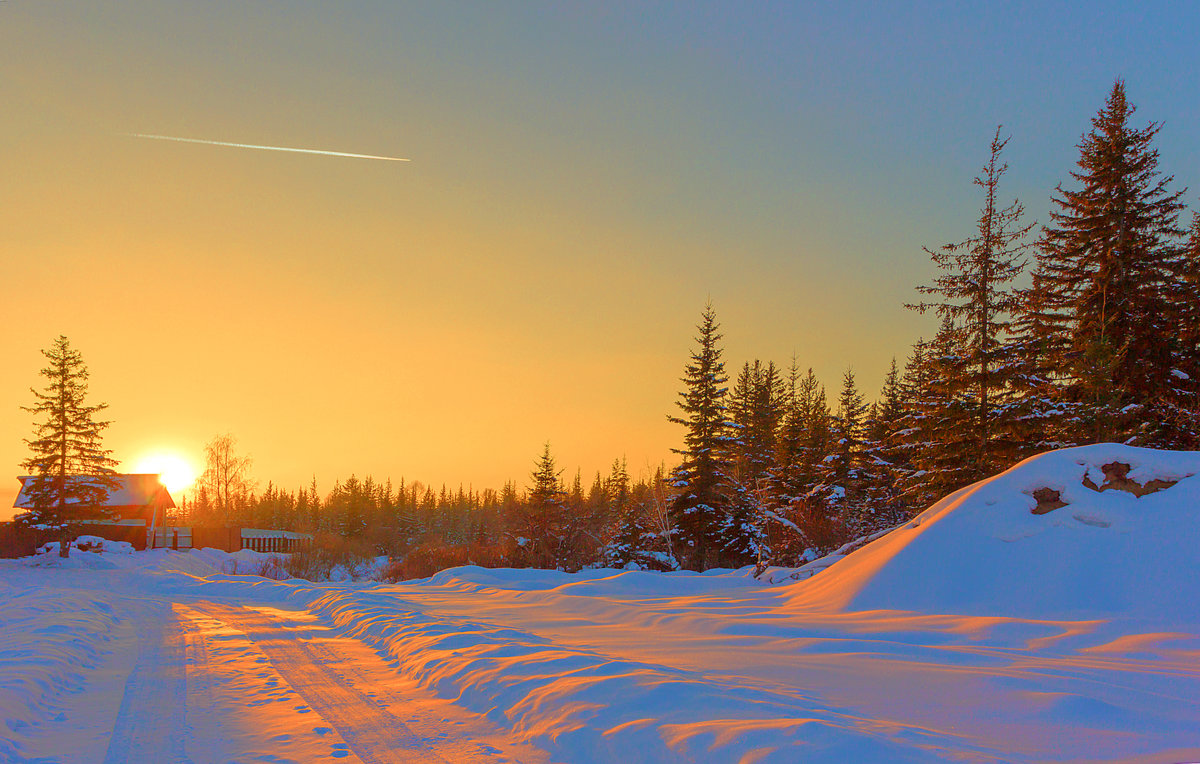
(1084, 330)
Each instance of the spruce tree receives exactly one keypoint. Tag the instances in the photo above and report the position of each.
(756, 407)
(1107, 262)
(628, 538)
(1188, 300)
(1036, 416)
(973, 292)
(906, 438)
(885, 460)
(842, 472)
(818, 437)
(887, 415)
(616, 485)
(803, 524)
(938, 427)
(788, 483)
(700, 509)
(1179, 407)
(848, 433)
(789, 443)
(540, 525)
(71, 472)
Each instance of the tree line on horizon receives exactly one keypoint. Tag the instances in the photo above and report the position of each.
(1087, 330)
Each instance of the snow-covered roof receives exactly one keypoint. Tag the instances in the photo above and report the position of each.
(132, 491)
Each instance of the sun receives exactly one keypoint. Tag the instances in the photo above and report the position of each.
(176, 473)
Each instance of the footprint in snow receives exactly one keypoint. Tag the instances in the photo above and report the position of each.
(322, 730)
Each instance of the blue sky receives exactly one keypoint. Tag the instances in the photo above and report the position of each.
(583, 178)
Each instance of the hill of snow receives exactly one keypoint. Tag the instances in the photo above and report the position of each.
(984, 551)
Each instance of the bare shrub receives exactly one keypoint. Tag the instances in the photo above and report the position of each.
(316, 561)
(424, 561)
(273, 567)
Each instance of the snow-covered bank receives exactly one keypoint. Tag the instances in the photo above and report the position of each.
(982, 631)
(49, 640)
(984, 551)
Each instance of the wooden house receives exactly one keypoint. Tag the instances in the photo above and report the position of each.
(138, 515)
(137, 506)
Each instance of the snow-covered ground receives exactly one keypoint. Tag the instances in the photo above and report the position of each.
(981, 632)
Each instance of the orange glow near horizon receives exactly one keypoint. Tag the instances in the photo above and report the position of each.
(438, 319)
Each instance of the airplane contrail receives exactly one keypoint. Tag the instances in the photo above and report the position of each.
(266, 148)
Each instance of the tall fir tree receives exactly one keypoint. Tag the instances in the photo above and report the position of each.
(701, 508)
(788, 479)
(540, 522)
(887, 466)
(71, 471)
(937, 428)
(843, 474)
(973, 292)
(756, 407)
(890, 409)
(1180, 406)
(1036, 416)
(1107, 263)
(848, 430)
(818, 436)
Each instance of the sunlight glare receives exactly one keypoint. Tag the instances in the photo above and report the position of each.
(175, 472)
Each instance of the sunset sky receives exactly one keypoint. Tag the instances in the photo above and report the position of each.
(581, 179)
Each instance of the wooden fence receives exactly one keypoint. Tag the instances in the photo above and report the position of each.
(279, 544)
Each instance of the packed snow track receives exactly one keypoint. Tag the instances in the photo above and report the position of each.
(199, 681)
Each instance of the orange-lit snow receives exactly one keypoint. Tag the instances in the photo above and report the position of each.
(980, 632)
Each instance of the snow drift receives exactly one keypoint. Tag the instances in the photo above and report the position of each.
(985, 550)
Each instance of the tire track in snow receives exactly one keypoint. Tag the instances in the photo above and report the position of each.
(204, 726)
(150, 726)
(373, 734)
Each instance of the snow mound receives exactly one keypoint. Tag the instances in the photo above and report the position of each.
(93, 544)
(1084, 532)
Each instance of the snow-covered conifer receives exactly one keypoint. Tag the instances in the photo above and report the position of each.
(701, 506)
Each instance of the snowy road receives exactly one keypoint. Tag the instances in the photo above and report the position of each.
(349, 687)
(204, 681)
(150, 722)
